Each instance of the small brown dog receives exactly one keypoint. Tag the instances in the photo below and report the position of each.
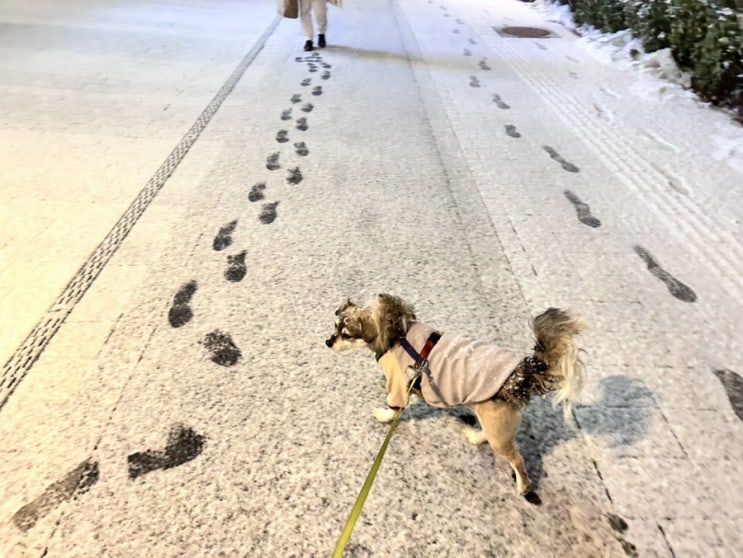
(450, 371)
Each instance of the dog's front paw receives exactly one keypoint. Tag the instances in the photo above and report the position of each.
(384, 415)
(475, 437)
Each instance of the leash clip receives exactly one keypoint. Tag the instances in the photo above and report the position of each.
(421, 367)
(415, 371)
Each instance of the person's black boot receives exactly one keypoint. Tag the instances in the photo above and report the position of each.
(321, 40)
(308, 45)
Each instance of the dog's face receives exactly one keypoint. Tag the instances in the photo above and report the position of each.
(354, 327)
(376, 326)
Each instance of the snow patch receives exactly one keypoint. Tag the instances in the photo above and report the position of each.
(729, 147)
(620, 48)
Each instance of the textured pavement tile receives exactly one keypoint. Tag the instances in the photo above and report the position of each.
(694, 537)
(648, 539)
(648, 487)
(630, 432)
(707, 435)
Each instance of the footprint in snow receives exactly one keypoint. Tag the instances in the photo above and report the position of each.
(183, 445)
(268, 213)
(620, 526)
(295, 176)
(224, 236)
(256, 192)
(675, 287)
(236, 267)
(566, 165)
(301, 149)
(180, 312)
(733, 385)
(222, 348)
(76, 482)
(511, 131)
(272, 161)
(500, 103)
(583, 209)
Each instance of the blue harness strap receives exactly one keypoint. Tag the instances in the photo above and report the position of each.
(411, 351)
(420, 359)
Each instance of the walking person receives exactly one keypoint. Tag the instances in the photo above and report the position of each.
(320, 8)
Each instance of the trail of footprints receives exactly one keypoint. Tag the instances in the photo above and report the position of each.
(583, 211)
(731, 381)
(183, 443)
(220, 346)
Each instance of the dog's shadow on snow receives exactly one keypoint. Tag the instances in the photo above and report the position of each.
(621, 416)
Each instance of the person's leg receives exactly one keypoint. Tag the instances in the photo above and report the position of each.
(321, 16)
(305, 15)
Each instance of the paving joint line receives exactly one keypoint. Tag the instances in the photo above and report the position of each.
(413, 50)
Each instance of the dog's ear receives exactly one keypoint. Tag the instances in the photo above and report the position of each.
(393, 317)
(344, 306)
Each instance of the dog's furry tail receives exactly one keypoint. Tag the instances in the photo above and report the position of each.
(555, 331)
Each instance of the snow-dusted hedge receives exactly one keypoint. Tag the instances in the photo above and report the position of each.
(705, 39)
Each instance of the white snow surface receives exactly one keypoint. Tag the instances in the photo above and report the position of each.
(481, 177)
(623, 50)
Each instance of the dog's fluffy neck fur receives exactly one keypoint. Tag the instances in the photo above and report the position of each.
(391, 317)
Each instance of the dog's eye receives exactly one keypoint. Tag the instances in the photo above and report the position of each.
(345, 334)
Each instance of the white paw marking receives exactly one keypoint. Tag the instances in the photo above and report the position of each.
(383, 415)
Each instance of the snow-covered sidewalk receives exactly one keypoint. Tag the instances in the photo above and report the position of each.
(182, 402)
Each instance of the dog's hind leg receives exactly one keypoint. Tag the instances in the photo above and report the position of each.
(499, 422)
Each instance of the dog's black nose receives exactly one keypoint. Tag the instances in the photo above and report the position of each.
(330, 341)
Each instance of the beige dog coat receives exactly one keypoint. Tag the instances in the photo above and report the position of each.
(460, 371)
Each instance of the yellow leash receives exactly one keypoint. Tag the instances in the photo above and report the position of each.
(361, 498)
